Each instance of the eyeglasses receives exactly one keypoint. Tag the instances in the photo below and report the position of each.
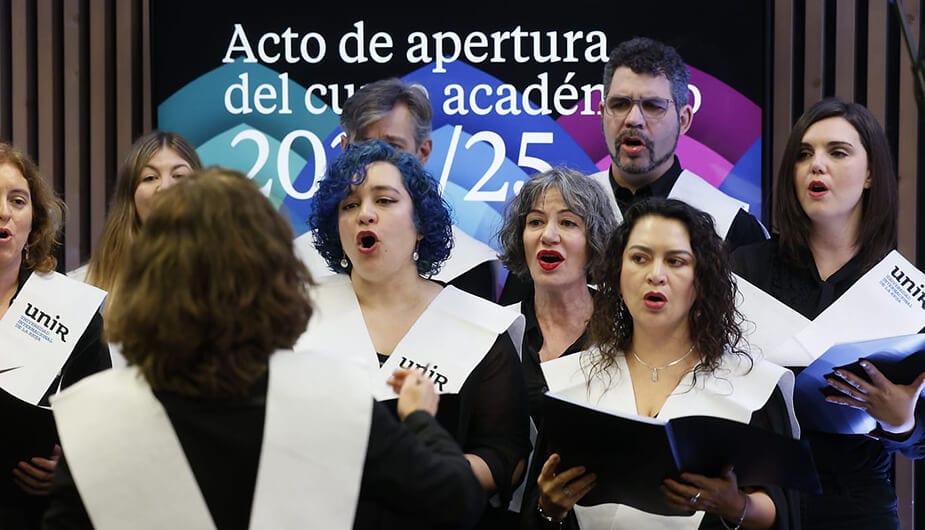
(652, 108)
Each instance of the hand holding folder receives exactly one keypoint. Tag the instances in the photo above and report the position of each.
(31, 432)
(632, 455)
(901, 359)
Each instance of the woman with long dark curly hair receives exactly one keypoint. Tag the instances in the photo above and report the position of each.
(668, 344)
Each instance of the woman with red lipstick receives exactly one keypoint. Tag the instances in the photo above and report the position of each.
(381, 224)
(835, 211)
(30, 220)
(667, 344)
(554, 234)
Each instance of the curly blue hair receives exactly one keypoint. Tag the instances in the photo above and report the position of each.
(431, 212)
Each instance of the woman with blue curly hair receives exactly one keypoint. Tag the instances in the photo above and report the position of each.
(380, 223)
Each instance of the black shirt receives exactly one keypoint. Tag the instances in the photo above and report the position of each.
(855, 470)
(413, 477)
(533, 341)
(489, 415)
(90, 355)
(745, 227)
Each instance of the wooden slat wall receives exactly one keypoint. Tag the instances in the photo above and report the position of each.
(72, 96)
(76, 106)
(20, 83)
(101, 122)
(6, 59)
(907, 141)
(75, 92)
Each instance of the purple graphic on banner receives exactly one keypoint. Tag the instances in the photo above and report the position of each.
(725, 127)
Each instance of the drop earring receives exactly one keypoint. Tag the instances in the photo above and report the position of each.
(624, 324)
(344, 263)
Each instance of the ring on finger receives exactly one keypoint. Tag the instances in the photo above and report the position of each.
(696, 498)
(566, 491)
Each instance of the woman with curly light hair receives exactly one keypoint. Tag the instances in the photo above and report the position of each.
(554, 238)
(30, 222)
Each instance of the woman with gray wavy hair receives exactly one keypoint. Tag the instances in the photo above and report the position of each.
(554, 235)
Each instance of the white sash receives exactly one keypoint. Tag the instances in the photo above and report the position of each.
(730, 393)
(603, 178)
(693, 190)
(702, 195)
(451, 337)
(131, 471)
(467, 253)
(309, 475)
(304, 247)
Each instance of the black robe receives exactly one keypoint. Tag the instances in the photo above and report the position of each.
(90, 355)
(856, 471)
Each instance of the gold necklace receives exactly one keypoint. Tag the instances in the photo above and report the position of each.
(655, 369)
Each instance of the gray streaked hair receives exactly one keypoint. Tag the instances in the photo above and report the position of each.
(581, 194)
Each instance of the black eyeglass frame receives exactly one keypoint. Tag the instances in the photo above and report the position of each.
(655, 112)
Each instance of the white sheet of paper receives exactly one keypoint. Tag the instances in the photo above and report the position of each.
(40, 329)
(771, 326)
(888, 300)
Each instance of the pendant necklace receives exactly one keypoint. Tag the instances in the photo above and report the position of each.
(655, 369)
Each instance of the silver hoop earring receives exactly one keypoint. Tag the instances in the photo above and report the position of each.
(344, 263)
(414, 256)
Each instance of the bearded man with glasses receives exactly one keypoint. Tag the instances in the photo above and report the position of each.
(644, 111)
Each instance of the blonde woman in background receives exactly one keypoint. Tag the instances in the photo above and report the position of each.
(155, 162)
(30, 223)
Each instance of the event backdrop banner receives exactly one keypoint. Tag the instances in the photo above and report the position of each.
(258, 86)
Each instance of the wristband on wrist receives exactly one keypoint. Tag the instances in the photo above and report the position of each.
(548, 518)
(893, 436)
(738, 524)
